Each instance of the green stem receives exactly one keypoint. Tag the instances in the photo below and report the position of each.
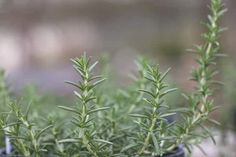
(88, 146)
(34, 142)
(22, 146)
(148, 137)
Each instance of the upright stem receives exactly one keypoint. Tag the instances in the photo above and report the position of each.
(88, 146)
(150, 131)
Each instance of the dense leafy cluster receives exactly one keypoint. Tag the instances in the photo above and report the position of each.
(106, 121)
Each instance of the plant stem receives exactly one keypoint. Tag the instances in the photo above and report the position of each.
(147, 139)
(34, 142)
(88, 146)
(23, 148)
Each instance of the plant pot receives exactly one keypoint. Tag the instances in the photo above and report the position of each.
(2, 152)
(8, 149)
(179, 152)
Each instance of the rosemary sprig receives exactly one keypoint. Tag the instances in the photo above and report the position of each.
(201, 102)
(84, 113)
(153, 123)
(24, 135)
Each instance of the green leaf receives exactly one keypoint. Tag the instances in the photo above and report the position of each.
(138, 115)
(78, 95)
(215, 108)
(188, 147)
(69, 109)
(209, 133)
(90, 99)
(28, 109)
(181, 109)
(128, 147)
(12, 124)
(149, 93)
(167, 114)
(214, 122)
(80, 71)
(69, 140)
(43, 130)
(155, 142)
(217, 82)
(164, 74)
(98, 109)
(73, 84)
(103, 141)
(220, 13)
(168, 91)
(17, 137)
(95, 77)
(93, 65)
(148, 101)
(149, 79)
(98, 82)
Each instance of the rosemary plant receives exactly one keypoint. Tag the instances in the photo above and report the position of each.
(111, 122)
(84, 113)
(201, 102)
(154, 126)
(26, 138)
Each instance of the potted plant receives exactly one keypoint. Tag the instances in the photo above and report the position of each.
(124, 122)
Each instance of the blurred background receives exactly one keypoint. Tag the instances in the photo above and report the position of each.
(38, 37)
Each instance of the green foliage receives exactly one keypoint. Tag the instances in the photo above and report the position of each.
(25, 136)
(201, 103)
(154, 127)
(86, 109)
(110, 121)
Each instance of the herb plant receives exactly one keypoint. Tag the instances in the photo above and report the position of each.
(83, 119)
(107, 121)
(201, 101)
